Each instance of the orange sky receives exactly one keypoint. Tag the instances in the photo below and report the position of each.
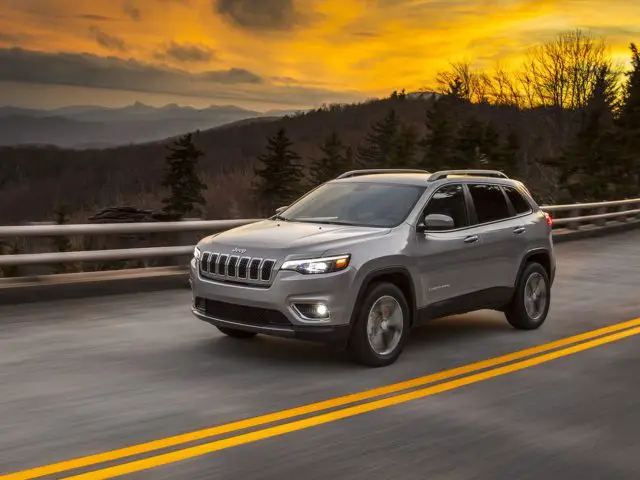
(271, 53)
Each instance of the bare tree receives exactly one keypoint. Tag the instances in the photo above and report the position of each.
(463, 82)
(504, 88)
(563, 72)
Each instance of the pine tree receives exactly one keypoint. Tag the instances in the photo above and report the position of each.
(350, 158)
(332, 163)
(505, 159)
(380, 143)
(61, 243)
(278, 181)
(470, 141)
(628, 129)
(440, 143)
(182, 179)
(589, 168)
(405, 148)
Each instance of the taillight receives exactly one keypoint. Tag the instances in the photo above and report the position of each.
(549, 219)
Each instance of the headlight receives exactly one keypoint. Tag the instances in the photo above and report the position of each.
(318, 265)
(197, 253)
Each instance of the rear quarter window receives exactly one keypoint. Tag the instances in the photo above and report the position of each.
(520, 204)
(490, 203)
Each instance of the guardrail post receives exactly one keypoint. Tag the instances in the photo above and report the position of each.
(185, 238)
(601, 222)
(624, 208)
(572, 214)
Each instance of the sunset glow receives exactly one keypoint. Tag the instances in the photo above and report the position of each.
(272, 53)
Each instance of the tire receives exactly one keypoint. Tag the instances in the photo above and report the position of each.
(521, 316)
(387, 296)
(234, 333)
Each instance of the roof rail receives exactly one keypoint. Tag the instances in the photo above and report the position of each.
(375, 171)
(471, 173)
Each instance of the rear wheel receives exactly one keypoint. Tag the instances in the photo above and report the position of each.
(235, 333)
(530, 304)
(381, 326)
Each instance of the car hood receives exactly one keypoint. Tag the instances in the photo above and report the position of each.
(270, 236)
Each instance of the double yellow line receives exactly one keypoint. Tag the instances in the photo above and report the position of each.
(354, 404)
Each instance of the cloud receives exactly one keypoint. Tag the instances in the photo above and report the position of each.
(110, 42)
(87, 70)
(286, 80)
(7, 38)
(94, 17)
(186, 53)
(279, 15)
(233, 75)
(131, 11)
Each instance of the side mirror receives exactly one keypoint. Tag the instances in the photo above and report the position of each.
(436, 221)
(279, 210)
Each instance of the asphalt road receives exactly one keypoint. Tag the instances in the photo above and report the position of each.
(88, 376)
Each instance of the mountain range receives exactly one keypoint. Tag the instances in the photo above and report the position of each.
(91, 126)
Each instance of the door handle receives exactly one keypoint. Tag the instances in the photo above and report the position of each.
(519, 230)
(471, 239)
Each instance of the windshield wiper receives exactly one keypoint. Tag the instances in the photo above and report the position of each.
(280, 217)
(325, 222)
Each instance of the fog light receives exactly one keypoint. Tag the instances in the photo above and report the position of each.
(315, 311)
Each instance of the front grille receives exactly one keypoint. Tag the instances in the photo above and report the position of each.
(242, 313)
(234, 268)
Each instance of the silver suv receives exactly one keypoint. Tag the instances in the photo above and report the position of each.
(361, 259)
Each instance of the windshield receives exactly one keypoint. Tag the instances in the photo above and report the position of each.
(352, 203)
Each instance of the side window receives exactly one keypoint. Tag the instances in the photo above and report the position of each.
(520, 205)
(449, 200)
(491, 204)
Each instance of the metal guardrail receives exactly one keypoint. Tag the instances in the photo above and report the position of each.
(625, 212)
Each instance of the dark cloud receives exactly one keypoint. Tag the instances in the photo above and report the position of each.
(286, 80)
(186, 53)
(6, 38)
(366, 34)
(131, 11)
(260, 14)
(233, 75)
(95, 18)
(110, 42)
(86, 70)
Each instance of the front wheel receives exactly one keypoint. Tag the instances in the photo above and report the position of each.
(381, 326)
(530, 304)
(235, 333)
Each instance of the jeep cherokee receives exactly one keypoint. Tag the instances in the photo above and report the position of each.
(363, 258)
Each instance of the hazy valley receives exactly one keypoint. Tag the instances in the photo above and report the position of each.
(100, 127)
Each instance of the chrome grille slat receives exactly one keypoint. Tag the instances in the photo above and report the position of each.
(222, 265)
(243, 265)
(255, 265)
(248, 270)
(204, 262)
(232, 266)
(213, 260)
(266, 270)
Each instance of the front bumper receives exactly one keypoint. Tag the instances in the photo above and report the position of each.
(271, 309)
(337, 334)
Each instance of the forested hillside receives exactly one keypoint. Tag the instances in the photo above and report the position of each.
(568, 124)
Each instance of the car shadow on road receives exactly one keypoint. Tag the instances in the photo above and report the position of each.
(451, 332)
(472, 326)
